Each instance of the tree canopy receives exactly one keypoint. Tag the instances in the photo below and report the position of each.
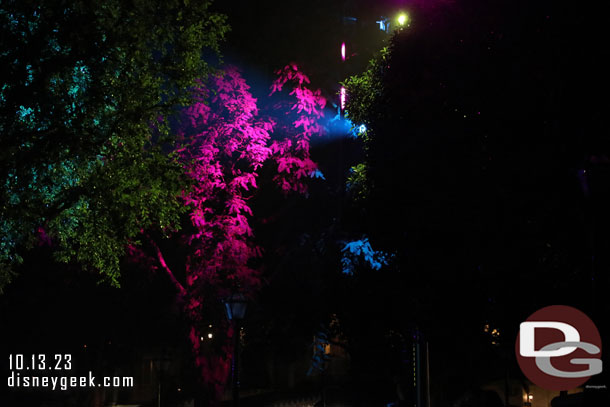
(84, 120)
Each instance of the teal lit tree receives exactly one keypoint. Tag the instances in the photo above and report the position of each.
(92, 165)
(84, 158)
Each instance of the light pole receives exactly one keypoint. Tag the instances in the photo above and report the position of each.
(235, 306)
(162, 366)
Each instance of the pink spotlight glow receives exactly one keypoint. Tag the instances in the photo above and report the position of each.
(343, 52)
(342, 95)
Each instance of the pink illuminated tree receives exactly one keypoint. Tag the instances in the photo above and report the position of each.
(299, 122)
(223, 144)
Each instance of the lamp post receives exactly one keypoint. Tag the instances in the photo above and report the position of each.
(163, 363)
(235, 306)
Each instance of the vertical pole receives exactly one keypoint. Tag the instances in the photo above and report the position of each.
(427, 375)
(159, 373)
(506, 382)
(417, 371)
(236, 364)
(159, 392)
(414, 363)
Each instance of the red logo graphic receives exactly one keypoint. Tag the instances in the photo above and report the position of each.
(559, 348)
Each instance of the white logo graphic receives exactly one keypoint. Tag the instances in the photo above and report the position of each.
(570, 343)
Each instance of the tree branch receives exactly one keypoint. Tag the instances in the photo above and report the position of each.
(171, 275)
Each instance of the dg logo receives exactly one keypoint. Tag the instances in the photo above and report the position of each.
(559, 348)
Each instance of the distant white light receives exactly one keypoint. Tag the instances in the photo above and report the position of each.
(343, 95)
(343, 51)
(362, 129)
(210, 336)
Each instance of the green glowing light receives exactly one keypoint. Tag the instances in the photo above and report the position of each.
(402, 19)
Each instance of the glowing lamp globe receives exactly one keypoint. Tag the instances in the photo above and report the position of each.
(402, 19)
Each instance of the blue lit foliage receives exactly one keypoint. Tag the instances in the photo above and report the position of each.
(317, 174)
(359, 253)
(384, 25)
(343, 126)
(81, 122)
(355, 131)
(338, 126)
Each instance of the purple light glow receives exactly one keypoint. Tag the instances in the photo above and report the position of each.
(343, 52)
(343, 97)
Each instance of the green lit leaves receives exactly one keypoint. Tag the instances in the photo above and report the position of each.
(357, 182)
(366, 92)
(365, 106)
(84, 153)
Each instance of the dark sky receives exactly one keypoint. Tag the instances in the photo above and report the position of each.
(268, 34)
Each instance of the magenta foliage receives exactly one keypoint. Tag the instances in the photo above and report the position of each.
(224, 145)
(291, 153)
